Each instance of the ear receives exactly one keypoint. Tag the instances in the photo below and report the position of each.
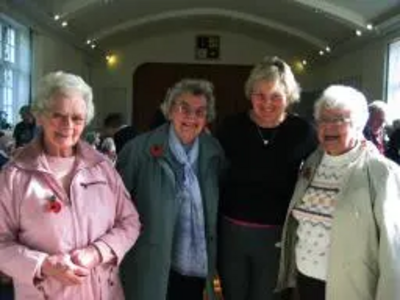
(169, 116)
(39, 120)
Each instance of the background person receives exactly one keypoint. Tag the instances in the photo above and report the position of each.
(25, 130)
(115, 128)
(375, 130)
(7, 147)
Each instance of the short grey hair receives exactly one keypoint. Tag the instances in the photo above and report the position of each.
(378, 106)
(382, 107)
(196, 87)
(274, 69)
(62, 83)
(346, 98)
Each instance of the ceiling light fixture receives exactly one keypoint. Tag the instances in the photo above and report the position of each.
(321, 52)
(370, 27)
(56, 17)
(88, 42)
(304, 62)
(93, 46)
(358, 32)
(111, 59)
(328, 49)
(64, 24)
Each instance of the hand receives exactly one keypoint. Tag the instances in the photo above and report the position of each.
(88, 257)
(61, 268)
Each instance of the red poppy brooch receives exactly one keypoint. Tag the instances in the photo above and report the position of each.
(156, 150)
(53, 205)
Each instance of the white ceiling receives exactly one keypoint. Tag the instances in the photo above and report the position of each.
(301, 24)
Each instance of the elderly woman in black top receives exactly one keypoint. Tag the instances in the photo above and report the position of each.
(265, 147)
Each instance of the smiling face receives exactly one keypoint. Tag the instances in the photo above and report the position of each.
(188, 116)
(63, 123)
(336, 133)
(269, 103)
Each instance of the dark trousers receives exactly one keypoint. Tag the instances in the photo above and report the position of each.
(6, 291)
(310, 288)
(248, 261)
(185, 287)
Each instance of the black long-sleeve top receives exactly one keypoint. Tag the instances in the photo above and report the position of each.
(260, 178)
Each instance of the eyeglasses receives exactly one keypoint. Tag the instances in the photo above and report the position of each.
(260, 97)
(338, 120)
(186, 110)
(63, 118)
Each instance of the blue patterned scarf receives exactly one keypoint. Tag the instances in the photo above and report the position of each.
(189, 255)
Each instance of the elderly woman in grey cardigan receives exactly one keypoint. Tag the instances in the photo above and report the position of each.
(341, 238)
(172, 174)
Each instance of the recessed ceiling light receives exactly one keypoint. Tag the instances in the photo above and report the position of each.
(358, 32)
(328, 49)
(111, 59)
(370, 27)
(304, 62)
(321, 52)
(64, 24)
(56, 17)
(88, 42)
(93, 46)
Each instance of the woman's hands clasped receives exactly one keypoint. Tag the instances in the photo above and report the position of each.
(87, 257)
(61, 268)
(72, 268)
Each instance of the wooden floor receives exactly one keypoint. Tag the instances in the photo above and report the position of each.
(289, 295)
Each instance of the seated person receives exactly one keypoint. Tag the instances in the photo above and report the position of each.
(115, 128)
(25, 130)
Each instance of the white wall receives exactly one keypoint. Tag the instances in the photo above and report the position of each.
(365, 65)
(52, 54)
(175, 48)
(113, 85)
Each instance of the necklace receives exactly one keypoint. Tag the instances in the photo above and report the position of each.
(266, 141)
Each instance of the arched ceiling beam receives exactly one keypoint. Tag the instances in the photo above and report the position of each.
(338, 12)
(198, 12)
(73, 7)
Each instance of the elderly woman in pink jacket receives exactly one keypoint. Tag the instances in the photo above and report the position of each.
(66, 217)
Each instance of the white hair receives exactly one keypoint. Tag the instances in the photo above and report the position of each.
(64, 83)
(197, 87)
(379, 106)
(346, 98)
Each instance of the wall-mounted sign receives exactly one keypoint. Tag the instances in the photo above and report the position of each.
(207, 47)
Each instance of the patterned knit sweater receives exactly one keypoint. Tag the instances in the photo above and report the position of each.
(315, 212)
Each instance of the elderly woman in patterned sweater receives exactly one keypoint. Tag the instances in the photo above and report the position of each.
(341, 235)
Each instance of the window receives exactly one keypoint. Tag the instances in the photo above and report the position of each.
(14, 68)
(393, 79)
